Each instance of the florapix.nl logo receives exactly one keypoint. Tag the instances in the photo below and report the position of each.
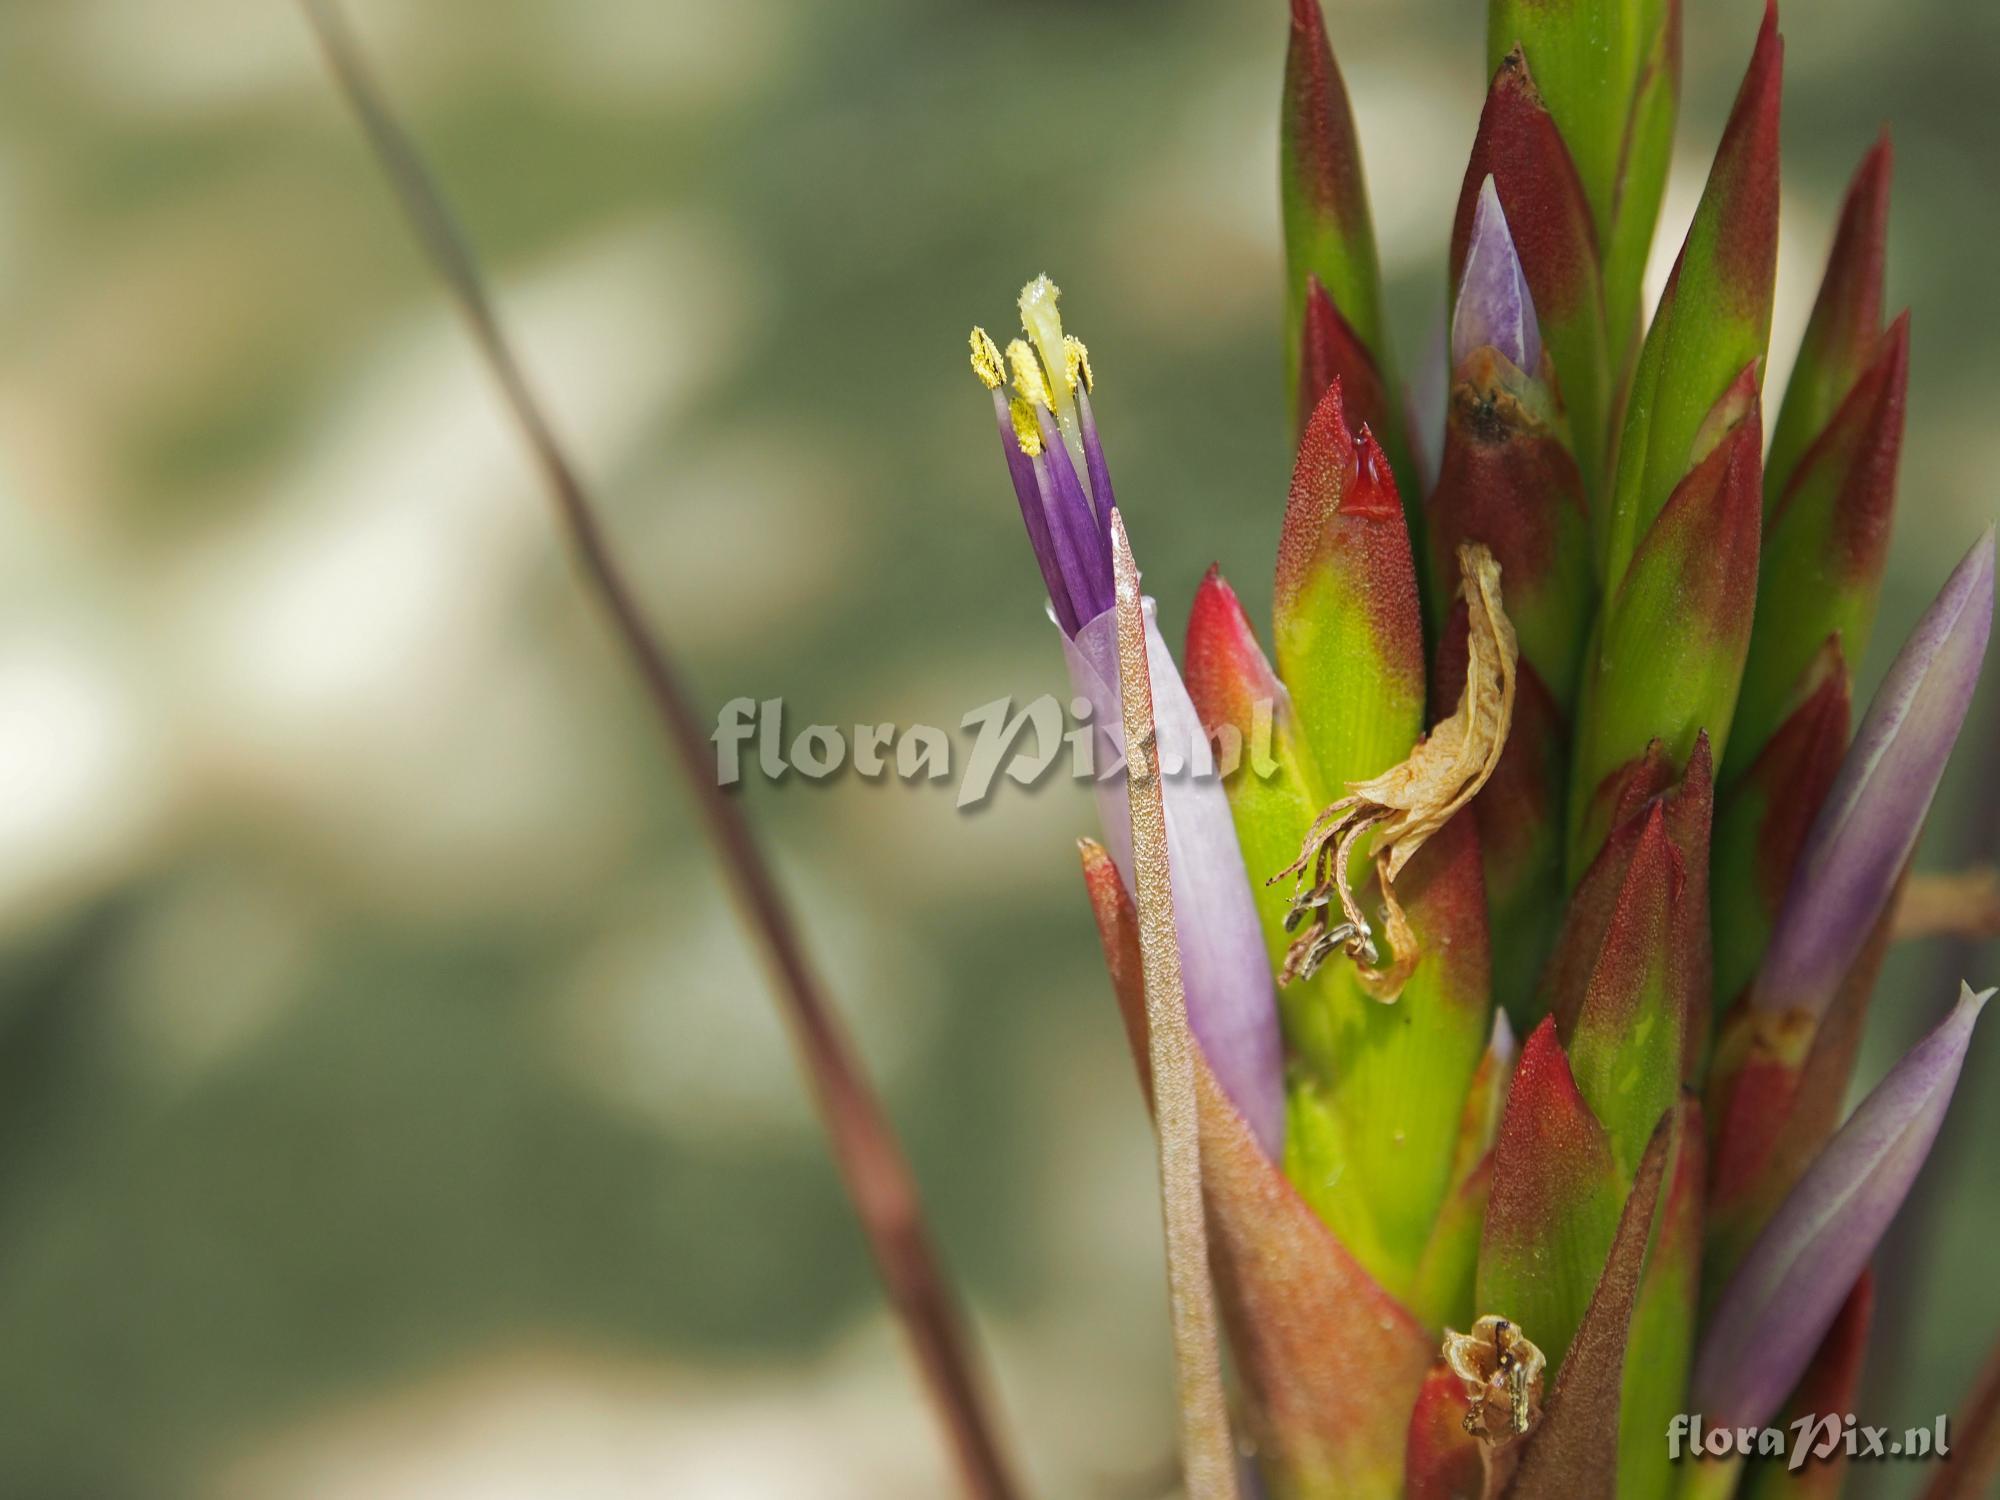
(995, 741)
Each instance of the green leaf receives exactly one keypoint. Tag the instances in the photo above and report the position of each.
(1844, 334)
(1714, 319)
(1826, 543)
(1660, 1347)
(1555, 1202)
(1324, 196)
(1674, 635)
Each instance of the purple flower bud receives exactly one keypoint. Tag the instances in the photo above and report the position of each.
(1790, 1286)
(1870, 821)
(1494, 305)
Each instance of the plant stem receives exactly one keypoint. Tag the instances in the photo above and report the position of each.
(871, 1163)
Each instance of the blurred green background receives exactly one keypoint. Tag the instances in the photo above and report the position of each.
(389, 1105)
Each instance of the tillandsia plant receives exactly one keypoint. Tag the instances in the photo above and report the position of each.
(1552, 744)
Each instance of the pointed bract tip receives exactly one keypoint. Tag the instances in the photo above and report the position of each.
(1216, 605)
(1962, 611)
(1124, 571)
(1846, 325)
(1701, 762)
(1326, 453)
(1330, 350)
(1879, 165)
(1746, 172)
(1329, 412)
(1860, 240)
(1854, 267)
(1225, 669)
(1768, 57)
(1373, 492)
(1495, 307)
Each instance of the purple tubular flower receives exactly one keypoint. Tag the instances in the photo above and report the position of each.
(1049, 434)
(1869, 824)
(1232, 1006)
(1045, 431)
(1021, 469)
(1494, 305)
(1790, 1286)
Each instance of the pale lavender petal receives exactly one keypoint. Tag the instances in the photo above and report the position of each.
(1232, 1005)
(1494, 305)
(1778, 1306)
(1869, 825)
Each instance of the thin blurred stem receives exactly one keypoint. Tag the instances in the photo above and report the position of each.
(877, 1175)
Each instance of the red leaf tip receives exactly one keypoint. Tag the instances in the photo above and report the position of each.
(1373, 492)
(1225, 669)
(1330, 351)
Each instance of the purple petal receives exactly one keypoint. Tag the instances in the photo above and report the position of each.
(1870, 822)
(1021, 469)
(1783, 1298)
(1231, 1003)
(1093, 459)
(1083, 548)
(1494, 305)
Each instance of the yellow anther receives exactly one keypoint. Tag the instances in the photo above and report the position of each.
(1029, 378)
(986, 360)
(1076, 362)
(1027, 431)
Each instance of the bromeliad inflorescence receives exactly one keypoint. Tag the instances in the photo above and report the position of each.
(1559, 748)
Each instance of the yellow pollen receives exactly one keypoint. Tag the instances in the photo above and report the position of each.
(986, 360)
(1029, 378)
(1027, 431)
(1076, 362)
